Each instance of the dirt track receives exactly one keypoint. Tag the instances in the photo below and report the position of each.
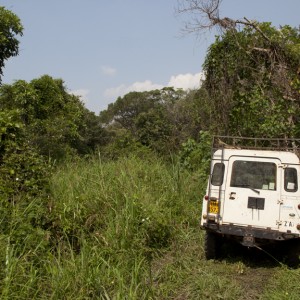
(255, 269)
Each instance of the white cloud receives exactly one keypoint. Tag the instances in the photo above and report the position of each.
(115, 92)
(82, 93)
(122, 89)
(108, 70)
(186, 81)
(183, 81)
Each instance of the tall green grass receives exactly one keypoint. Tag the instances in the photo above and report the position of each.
(106, 224)
(123, 229)
(115, 217)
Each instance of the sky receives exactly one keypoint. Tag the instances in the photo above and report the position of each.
(103, 49)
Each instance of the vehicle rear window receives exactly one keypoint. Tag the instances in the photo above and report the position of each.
(218, 174)
(253, 174)
(290, 180)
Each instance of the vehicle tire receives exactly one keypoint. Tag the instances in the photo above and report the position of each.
(212, 245)
(293, 254)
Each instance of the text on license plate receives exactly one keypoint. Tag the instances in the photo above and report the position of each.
(213, 207)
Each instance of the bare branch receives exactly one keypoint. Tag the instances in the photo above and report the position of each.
(204, 15)
(254, 25)
(261, 49)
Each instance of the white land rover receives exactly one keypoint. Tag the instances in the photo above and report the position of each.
(253, 193)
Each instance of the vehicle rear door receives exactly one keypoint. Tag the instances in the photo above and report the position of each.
(252, 192)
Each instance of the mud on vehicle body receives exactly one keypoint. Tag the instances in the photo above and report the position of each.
(253, 194)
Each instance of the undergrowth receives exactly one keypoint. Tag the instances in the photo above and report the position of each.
(123, 229)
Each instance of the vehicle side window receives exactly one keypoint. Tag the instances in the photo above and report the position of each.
(290, 180)
(218, 174)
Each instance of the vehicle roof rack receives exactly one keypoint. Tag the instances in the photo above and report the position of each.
(238, 142)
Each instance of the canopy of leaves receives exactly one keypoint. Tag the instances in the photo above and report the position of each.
(57, 123)
(252, 78)
(10, 26)
(159, 119)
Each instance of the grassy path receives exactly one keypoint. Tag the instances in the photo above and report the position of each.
(183, 274)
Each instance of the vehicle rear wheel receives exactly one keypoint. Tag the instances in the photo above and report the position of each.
(293, 254)
(212, 245)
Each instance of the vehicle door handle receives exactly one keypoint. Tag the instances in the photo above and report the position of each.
(232, 195)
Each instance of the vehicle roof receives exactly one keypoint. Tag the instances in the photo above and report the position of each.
(283, 156)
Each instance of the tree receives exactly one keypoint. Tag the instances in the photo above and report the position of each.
(149, 117)
(91, 133)
(205, 15)
(252, 72)
(10, 26)
(252, 77)
(154, 130)
(127, 108)
(56, 122)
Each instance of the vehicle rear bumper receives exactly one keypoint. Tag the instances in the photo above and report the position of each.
(249, 231)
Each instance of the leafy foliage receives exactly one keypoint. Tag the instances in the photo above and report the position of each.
(10, 131)
(10, 26)
(23, 190)
(250, 80)
(160, 120)
(91, 134)
(196, 155)
(57, 123)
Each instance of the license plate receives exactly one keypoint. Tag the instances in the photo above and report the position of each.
(213, 207)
